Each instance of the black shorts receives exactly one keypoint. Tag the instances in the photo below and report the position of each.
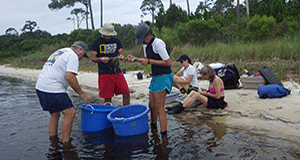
(190, 88)
(54, 102)
(213, 103)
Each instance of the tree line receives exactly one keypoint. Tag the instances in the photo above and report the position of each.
(220, 21)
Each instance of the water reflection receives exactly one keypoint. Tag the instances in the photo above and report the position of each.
(218, 130)
(55, 149)
(159, 144)
(106, 144)
(58, 151)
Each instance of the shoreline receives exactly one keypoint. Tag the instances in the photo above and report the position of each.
(278, 116)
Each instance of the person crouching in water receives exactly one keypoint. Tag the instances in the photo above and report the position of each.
(189, 73)
(212, 98)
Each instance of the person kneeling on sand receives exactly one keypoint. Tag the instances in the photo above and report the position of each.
(189, 81)
(213, 98)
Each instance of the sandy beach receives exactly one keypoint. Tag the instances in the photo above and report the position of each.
(277, 117)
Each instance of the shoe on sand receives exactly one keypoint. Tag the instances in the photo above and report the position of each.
(177, 109)
(171, 108)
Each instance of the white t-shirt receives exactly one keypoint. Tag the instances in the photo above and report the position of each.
(190, 71)
(159, 47)
(53, 77)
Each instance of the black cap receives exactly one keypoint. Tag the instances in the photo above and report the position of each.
(183, 58)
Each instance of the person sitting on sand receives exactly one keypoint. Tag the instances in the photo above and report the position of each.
(189, 73)
(213, 98)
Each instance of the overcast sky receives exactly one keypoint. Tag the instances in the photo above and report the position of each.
(16, 12)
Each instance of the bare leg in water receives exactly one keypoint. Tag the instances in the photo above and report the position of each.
(157, 103)
(66, 126)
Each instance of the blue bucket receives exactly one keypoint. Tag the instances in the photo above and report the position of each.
(130, 120)
(94, 117)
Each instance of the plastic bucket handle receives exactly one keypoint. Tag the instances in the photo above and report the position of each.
(88, 105)
(129, 119)
(107, 103)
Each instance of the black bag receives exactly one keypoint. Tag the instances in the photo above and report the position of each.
(230, 76)
(269, 76)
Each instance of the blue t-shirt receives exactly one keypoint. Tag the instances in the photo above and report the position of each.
(107, 49)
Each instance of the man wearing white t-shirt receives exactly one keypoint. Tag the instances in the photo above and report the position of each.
(59, 72)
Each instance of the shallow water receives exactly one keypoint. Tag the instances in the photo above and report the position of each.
(24, 135)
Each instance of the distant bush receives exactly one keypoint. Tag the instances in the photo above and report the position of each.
(262, 28)
(199, 31)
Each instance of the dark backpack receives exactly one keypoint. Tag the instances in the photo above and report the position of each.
(230, 76)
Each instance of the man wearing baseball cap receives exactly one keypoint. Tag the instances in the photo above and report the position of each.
(106, 51)
(59, 72)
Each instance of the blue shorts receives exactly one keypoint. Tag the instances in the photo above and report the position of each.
(161, 83)
(54, 102)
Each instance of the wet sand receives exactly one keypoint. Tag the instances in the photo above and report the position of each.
(277, 117)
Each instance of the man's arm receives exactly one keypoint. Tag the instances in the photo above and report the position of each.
(96, 59)
(73, 82)
(121, 54)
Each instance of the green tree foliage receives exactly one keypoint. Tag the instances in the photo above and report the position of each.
(169, 35)
(85, 35)
(234, 32)
(11, 32)
(126, 35)
(262, 28)
(289, 26)
(39, 34)
(199, 31)
(29, 27)
(160, 19)
(223, 7)
(293, 8)
(206, 26)
(59, 4)
(79, 13)
(203, 11)
(174, 15)
(203, 6)
(150, 7)
(279, 9)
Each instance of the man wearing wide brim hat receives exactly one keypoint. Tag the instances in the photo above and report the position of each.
(106, 50)
(108, 30)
